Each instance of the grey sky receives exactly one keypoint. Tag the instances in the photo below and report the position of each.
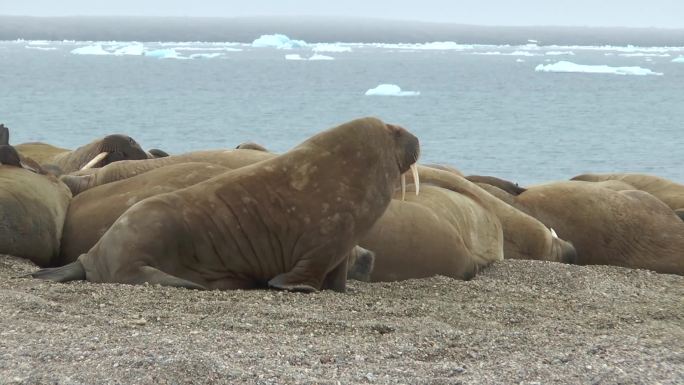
(629, 13)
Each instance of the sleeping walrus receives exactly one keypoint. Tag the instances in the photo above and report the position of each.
(288, 222)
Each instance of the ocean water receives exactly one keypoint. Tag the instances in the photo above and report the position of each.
(488, 114)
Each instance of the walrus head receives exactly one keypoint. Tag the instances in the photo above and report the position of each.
(9, 156)
(360, 264)
(250, 146)
(564, 251)
(113, 148)
(4, 135)
(156, 153)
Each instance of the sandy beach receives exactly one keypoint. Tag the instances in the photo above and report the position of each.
(517, 322)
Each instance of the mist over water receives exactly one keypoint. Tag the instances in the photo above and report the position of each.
(484, 110)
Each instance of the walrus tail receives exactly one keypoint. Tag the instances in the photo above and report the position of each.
(71, 272)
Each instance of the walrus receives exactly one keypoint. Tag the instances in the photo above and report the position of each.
(98, 153)
(629, 228)
(289, 222)
(524, 236)
(32, 210)
(438, 232)
(509, 187)
(672, 193)
(156, 153)
(250, 146)
(4, 135)
(93, 212)
(86, 179)
(680, 213)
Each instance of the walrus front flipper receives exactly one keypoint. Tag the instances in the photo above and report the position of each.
(337, 278)
(285, 281)
(154, 276)
(71, 272)
(4, 134)
(680, 213)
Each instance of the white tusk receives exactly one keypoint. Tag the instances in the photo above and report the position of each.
(95, 160)
(416, 179)
(553, 233)
(403, 187)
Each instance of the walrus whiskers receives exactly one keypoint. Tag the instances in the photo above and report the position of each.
(95, 160)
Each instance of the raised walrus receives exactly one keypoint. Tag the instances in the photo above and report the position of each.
(83, 180)
(98, 153)
(93, 212)
(32, 210)
(439, 232)
(288, 222)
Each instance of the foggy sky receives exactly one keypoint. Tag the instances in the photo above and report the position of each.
(609, 13)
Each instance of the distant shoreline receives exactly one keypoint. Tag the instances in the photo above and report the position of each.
(318, 29)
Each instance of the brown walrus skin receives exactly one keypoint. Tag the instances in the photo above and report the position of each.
(93, 212)
(81, 181)
(670, 192)
(524, 236)
(509, 187)
(32, 210)
(629, 228)
(289, 222)
(438, 232)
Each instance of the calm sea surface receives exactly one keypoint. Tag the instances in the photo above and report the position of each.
(484, 114)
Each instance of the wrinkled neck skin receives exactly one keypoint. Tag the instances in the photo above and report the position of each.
(74, 160)
(87, 179)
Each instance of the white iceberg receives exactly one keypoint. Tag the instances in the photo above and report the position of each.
(90, 50)
(165, 53)
(559, 53)
(678, 59)
(205, 55)
(566, 66)
(327, 47)
(133, 49)
(432, 46)
(279, 41)
(519, 60)
(294, 56)
(321, 57)
(390, 90)
(40, 48)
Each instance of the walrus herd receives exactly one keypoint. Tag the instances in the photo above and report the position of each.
(348, 203)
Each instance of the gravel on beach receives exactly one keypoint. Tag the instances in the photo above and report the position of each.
(517, 322)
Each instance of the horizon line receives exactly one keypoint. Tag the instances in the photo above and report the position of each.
(294, 17)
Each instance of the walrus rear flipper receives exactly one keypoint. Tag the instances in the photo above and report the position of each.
(154, 276)
(71, 272)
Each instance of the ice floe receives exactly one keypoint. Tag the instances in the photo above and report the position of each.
(519, 60)
(646, 54)
(327, 47)
(678, 59)
(279, 41)
(514, 53)
(40, 48)
(164, 53)
(133, 49)
(566, 66)
(321, 57)
(90, 50)
(559, 53)
(389, 90)
(296, 56)
(205, 55)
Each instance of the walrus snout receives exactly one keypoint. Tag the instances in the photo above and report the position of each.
(565, 250)
(9, 156)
